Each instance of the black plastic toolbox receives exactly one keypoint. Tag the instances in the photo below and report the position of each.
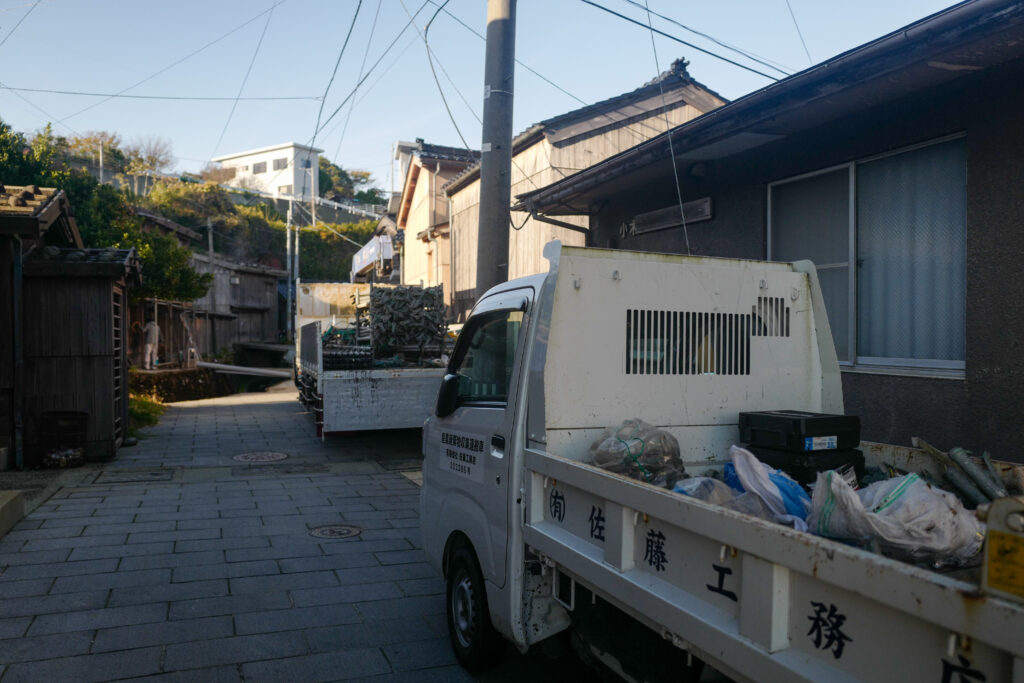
(804, 467)
(799, 432)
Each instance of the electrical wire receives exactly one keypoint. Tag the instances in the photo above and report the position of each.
(636, 134)
(678, 40)
(370, 71)
(763, 61)
(187, 98)
(362, 67)
(433, 71)
(668, 131)
(799, 33)
(330, 81)
(177, 62)
(35, 106)
(353, 91)
(245, 79)
(23, 17)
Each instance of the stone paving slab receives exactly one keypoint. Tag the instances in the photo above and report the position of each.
(177, 563)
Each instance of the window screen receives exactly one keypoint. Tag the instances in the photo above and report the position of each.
(260, 167)
(911, 236)
(485, 370)
(280, 164)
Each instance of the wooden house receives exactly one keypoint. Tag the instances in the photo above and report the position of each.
(423, 211)
(556, 148)
(896, 168)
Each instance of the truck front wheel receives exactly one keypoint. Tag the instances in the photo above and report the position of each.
(473, 637)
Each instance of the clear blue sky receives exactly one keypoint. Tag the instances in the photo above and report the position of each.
(106, 46)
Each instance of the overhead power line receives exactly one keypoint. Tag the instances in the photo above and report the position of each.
(187, 98)
(23, 17)
(367, 74)
(353, 91)
(245, 79)
(638, 135)
(763, 61)
(679, 40)
(668, 131)
(362, 66)
(327, 89)
(175, 63)
(799, 32)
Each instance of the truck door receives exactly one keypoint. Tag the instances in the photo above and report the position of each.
(476, 439)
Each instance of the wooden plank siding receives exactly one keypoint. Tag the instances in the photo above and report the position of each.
(536, 166)
(71, 317)
(6, 344)
(80, 384)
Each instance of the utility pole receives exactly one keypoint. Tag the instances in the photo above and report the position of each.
(101, 162)
(312, 190)
(288, 261)
(213, 287)
(496, 148)
(295, 272)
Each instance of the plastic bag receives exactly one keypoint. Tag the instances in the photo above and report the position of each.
(706, 489)
(907, 516)
(717, 492)
(786, 499)
(639, 450)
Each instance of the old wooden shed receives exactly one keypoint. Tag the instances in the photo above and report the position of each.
(75, 322)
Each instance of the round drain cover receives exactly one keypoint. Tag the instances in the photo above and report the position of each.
(260, 456)
(335, 531)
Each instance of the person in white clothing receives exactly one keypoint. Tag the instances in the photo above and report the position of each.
(151, 337)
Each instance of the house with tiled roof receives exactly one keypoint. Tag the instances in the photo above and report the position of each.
(559, 147)
(422, 216)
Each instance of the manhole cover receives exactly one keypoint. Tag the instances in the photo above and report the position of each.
(260, 456)
(132, 477)
(335, 531)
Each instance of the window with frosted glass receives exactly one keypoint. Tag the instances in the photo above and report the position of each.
(811, 220)
(907, 237)
(911, 233)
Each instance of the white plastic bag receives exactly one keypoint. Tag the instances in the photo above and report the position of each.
(906, 515)
(788, 502)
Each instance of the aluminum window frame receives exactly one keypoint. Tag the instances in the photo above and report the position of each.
(944, 369)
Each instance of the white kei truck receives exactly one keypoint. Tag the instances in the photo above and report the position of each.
(349, 400)
(646, 583)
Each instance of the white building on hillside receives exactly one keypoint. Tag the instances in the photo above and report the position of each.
(287, 170)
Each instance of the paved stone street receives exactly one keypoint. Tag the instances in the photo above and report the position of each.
(178, 562)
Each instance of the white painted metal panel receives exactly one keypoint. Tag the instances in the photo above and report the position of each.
(759, 600)
(685, 343)
(398, 398)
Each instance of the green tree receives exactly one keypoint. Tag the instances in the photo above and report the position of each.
(103, 214)
(335, 182)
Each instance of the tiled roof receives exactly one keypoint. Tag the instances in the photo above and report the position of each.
(108, 262)
(676, 72)
(445, 153)
(32, 211)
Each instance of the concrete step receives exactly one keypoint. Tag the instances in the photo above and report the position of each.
(12, 510)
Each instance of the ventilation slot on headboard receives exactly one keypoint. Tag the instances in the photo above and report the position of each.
(687, 343)
(771, 317)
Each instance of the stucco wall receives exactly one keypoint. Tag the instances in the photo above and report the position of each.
(984, 410)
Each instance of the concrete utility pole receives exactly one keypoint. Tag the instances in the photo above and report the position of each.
(101, 162)
(288, 262)
(496, 149)
(295, 272)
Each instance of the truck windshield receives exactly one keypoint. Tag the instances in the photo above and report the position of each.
(484, 366)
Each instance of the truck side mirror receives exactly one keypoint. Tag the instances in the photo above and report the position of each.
(447, 397)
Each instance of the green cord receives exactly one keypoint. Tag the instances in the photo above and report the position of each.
(629, 452)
